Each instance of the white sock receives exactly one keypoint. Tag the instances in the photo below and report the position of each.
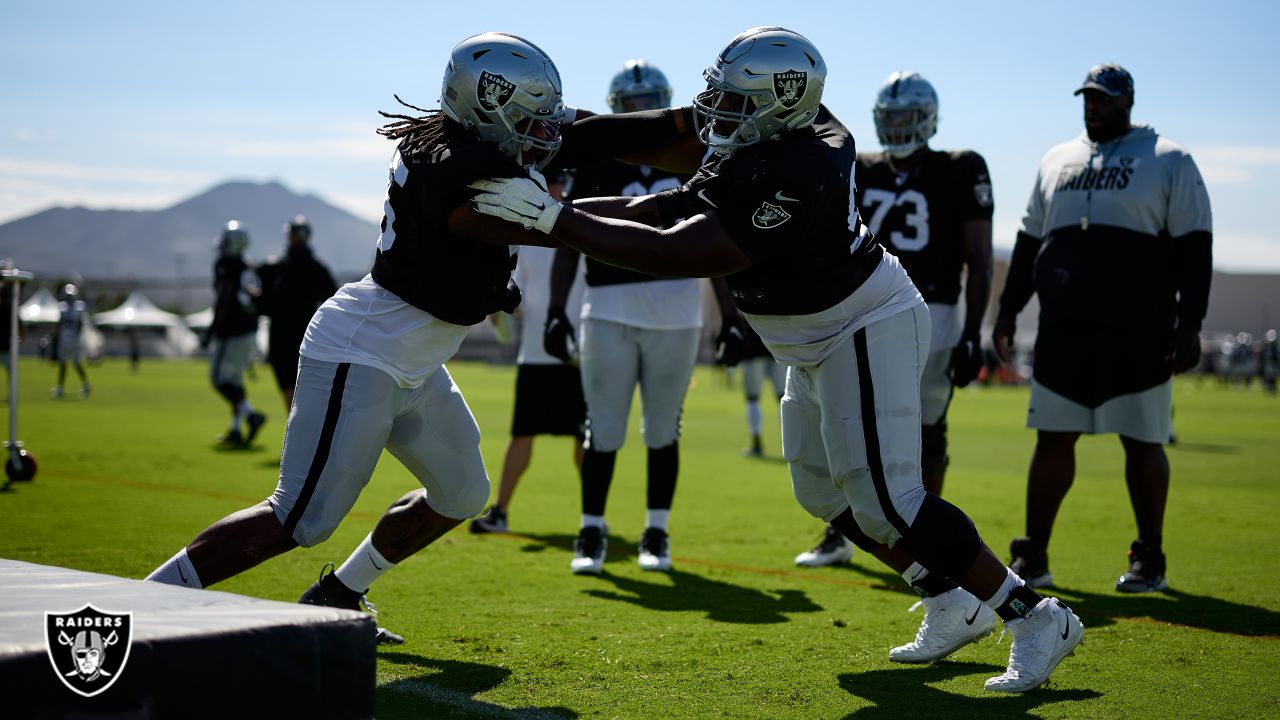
(244, 409)
(755, 421)
(656, 518)
(592, 521)
(364, 566)
(1011, 581)
(178, 570)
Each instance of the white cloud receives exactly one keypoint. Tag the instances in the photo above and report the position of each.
(365, 206)
(366, 147)
(14, 168)
(1235, 164)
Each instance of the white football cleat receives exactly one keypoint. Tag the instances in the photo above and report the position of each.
(655, 550)
(1049, 633)
(834, 548)
(588, 551)
(951, 620)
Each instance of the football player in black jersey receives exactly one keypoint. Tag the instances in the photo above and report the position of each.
(371, 374)
(233, 332)
(772, 212)
(931, 208)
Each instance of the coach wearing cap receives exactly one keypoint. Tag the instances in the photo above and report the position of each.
(1116, 242)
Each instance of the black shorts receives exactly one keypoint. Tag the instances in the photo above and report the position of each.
(285, 366)
(549, 401)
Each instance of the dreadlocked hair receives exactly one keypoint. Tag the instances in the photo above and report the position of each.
(417, 134)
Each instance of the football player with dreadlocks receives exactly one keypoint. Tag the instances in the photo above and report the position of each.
(637, 330)
(372, 372)
(771, 211)
(931, 208)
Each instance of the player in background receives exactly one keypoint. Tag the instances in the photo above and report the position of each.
(757, 364)
(292, 288)
(71, 317)
(636, 330)
(932, 209)
(233, 331)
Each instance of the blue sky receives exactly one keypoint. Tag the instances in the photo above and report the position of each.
(141, 104)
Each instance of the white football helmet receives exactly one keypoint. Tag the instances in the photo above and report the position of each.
(233, 240)
(506, 91)
(638, 86)
(765, 81)
(905, 113)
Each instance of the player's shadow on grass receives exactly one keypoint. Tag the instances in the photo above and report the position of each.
(1171, 606)
(904, 691)
(447, 688)
(721, 601)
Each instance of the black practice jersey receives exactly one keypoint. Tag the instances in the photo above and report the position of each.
(918, 215)
(458, 280)
(618, 179)
(292, 289)
(788, 205)
(233, 312)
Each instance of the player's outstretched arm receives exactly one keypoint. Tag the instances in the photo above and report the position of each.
(697, 247)
(658, 138)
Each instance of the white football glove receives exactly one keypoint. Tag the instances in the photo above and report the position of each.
(518, 200)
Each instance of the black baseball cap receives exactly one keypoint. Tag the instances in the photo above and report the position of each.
(1108, 78)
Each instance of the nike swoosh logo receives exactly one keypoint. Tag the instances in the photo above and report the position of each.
(182, 575)
(784, 198)
(373, 562)
(1066, 623)
(702, 193)
(969, 620)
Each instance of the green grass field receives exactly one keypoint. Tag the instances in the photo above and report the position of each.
(498, 627)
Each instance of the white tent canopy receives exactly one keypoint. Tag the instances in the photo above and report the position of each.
(171, 338)
(41, 307)
(200, 320)
(137, 311)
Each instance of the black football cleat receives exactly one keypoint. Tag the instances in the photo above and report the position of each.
(1030, 562)
(255, 422)
(1146, 571)
(330, 592)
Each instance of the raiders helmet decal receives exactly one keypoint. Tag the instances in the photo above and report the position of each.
(494, 91)
(789, 86)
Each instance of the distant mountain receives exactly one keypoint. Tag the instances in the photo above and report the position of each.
(146, 243)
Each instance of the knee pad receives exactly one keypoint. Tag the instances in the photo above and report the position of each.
(848, 527)
(471, 500)
(942, 538)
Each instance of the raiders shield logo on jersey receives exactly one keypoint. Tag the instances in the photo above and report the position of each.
(494, 90)
(982, 193)
(769, 216)
(88, 647)
(789, 86)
